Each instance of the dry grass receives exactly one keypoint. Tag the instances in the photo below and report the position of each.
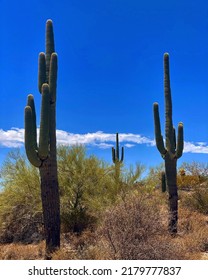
(193, 233)
(136, 228)
(22, 252)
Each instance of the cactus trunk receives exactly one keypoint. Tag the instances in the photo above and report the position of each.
(163, 182)
(171, 178)
(117, 160)
(50, 204)
(50, 191)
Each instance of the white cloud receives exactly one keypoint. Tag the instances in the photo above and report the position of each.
(14, 138)
(129, 145)
(197, 148)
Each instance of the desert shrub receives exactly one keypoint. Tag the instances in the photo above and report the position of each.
(193, 229)
(83, 246)
(22, 252)
(153, 177)
(131, 177)
(192, 174)
(197, 199)
(20, 204)
(196, 169)
(187, 182)
(133, 229)
(86, 187)
(21, 225)
(194, 180)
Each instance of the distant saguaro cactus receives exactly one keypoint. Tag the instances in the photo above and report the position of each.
(172, 151)
(43, 155)
(115, 152)
(116, 158)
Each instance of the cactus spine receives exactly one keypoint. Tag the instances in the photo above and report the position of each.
(116, 159)
(44, 155)
(172, 150)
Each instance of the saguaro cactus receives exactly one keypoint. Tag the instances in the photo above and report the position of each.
(43, 155)
(116, 158)
(115, 152)
(171, 151)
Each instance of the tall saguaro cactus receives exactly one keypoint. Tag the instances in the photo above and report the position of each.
(116, 158)
(43, 155)
(172, 150)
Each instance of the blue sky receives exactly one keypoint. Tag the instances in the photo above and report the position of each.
(110, 72)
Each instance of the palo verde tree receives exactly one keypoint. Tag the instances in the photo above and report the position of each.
(44, 155)
(171, 151)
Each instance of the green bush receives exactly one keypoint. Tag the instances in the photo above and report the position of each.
(153, 178)
(86, 187)
(20, 204)
(197, 199)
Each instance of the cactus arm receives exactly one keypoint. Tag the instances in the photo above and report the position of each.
(53, 76)
(174, 138)
(41, 71)
(169, 130)
(44, 123)
(31, 104)
(180, 141)
(30, 138)
(113, 155)
(158, 135)
(117, 147)
(50, 46)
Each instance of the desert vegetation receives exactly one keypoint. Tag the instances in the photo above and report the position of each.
(59, 203)
(98, 219)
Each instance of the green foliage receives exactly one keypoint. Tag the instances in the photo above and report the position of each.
(133, 174)
(20, 203)
(131, 179)
(197, 199)
(196, 169)
(86, 187)
(192, 175)
(153, 177)
(194, 186)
